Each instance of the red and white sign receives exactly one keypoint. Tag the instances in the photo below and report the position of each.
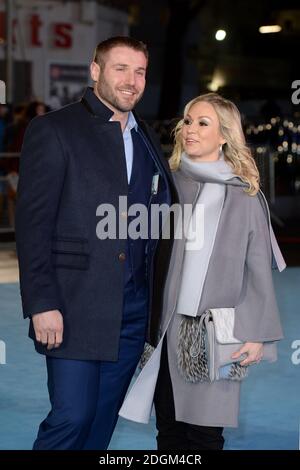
(62, 32)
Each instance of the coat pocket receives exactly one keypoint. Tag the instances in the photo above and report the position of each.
(69, 252)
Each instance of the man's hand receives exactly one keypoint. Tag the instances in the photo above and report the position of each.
(48, 327)
(254, 353)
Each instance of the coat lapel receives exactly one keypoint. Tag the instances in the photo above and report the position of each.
(106, 156)
(188, 189)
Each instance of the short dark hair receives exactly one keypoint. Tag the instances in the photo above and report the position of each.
(105, 46)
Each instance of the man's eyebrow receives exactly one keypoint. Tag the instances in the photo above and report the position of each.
(126, 65)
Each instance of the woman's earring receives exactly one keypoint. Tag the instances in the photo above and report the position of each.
(221, 154)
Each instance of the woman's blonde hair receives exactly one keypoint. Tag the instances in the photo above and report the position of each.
(236, 152)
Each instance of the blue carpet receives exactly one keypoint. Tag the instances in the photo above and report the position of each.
(270, 405)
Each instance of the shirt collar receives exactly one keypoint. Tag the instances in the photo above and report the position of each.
(131, 122)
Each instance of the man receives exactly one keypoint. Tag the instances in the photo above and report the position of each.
(88, 299)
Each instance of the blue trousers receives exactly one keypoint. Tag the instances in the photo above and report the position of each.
(86, 396)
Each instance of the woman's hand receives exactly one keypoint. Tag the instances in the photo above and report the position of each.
(254, 353)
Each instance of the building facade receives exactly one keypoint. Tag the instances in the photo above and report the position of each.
(53, 44)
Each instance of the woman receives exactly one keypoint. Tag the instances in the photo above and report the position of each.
(231, 269)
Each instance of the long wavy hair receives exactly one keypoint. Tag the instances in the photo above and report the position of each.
(236, 152)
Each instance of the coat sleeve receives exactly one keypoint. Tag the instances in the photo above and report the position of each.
(42, 169)
(257, 317)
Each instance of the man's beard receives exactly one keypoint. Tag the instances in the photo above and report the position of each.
(106, 93)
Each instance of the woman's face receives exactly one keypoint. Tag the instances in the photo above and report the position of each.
(201, 137)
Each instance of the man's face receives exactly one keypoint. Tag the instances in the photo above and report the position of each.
(121, 82)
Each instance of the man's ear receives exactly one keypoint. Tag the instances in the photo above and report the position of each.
(95, 71)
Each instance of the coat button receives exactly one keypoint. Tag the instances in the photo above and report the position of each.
(122, 257)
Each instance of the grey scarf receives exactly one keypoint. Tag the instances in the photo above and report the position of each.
(212, 178)
(204, 224)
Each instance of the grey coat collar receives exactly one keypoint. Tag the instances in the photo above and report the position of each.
(189, 189)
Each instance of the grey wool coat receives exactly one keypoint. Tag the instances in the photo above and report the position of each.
(239, 275)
